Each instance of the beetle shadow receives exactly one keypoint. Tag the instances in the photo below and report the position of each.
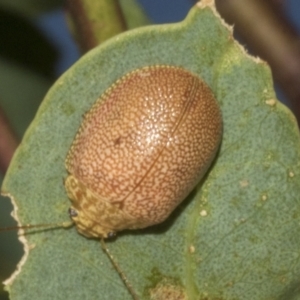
(168, 223)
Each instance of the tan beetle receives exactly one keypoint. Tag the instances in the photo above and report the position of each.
(141, 149)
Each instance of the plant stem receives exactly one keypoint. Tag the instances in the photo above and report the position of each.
(95, 21)
(8, 142)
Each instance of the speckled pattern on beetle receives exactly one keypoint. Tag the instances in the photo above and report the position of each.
(141, 149)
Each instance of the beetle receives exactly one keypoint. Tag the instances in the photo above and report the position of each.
(141, 149)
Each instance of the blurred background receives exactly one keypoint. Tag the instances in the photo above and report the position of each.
(36, 47)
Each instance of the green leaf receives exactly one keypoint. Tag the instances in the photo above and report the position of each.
(235, 237)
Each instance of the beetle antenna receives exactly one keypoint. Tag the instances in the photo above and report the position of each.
(65, 224)
(118, 269)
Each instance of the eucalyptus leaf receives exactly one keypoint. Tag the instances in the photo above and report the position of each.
(235, 237)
